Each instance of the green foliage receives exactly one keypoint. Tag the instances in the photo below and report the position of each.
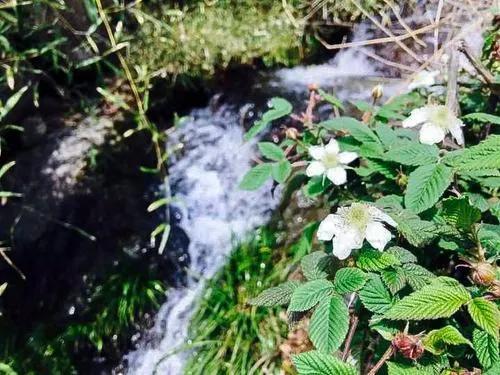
(440, 299)
(436, 340)
(271, 151)
(316, 363)
(373, 260)
(329, 324)
(460, 213)
(413, 154)
(309, 294)
(486, 348)
(239, 334)
(485, 314)
(349, 279)
(483, 157)
(483, 117)
(316, 265)
(276, 296)
(426, 185)
(375, 296)
(279, 108)
(256, 177)
(394, 279)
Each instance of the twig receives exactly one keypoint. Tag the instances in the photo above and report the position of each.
(452, 87)
(387, 62)
(387, 31)
(436, 31)
(404, 24)
(393, 39)
(388, 353)
(352, 330)
(11, 263)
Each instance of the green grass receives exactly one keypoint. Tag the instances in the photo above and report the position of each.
(201, 39)
(234, 337)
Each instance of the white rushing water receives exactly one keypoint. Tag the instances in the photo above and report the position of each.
(214, 210)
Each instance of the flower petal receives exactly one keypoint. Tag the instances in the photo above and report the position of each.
(423, 79)
(347, 157)
(337, 175)
(417, 116)
(317, 152)
(379, 215)
(346, 241)
(456, 131)
(377, 235)
(329, 227)
(430, 134)
(316, 168)
(332, 147)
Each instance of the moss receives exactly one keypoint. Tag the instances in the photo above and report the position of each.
(201, 39)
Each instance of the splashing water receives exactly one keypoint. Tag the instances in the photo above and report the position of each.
(214, 210)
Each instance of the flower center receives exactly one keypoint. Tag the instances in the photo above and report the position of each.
(358, 216)
(441, 117)
(330, 160)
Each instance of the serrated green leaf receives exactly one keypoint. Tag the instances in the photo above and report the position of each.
(426, 184)
(349, 279)
(403, 369)
(486, 348)
(361, 132)
(385, 168)
(374, 295)
(373, 260)
(394, 279)
(417, 232)
(413, 153)
(309, 294)
(279, 108)
(316, 363)
(437, 340)
(277, 295)
(403, 255)
(281, 171)
(416, 275)
(332, 99)
(316, 186)
(483, 117)
(485, 155)
(386, 135)
(256, 177)
(485, 314)
(329, 324)
(316, 265)
(460, 213)
(271, 151)
(440, 299)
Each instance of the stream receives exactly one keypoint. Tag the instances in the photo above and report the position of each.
(211, 209)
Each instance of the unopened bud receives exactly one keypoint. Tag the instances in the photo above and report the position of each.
(402, 180)
(292, 133)
(410, 346)
(483, 273)
(494, 289)
(377, 92)
(313, 87)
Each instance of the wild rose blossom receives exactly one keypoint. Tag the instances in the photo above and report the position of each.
(329, 161)
(423, 79)
(351, 225)
(436, 121)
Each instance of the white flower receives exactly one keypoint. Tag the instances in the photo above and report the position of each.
(330, 162)
(436, 121)
(349, 227)
(423, 79)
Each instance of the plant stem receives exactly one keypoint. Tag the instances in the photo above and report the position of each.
(388, 353)
(347, 347)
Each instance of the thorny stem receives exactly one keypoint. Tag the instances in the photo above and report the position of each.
(388, 353)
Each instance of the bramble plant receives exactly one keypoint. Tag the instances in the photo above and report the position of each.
(420, 295)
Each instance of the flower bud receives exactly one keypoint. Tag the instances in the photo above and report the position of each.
(402, 180)
(292, 133)
(377, 92)
(483, 273)
(313, 87)
(410, 346)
